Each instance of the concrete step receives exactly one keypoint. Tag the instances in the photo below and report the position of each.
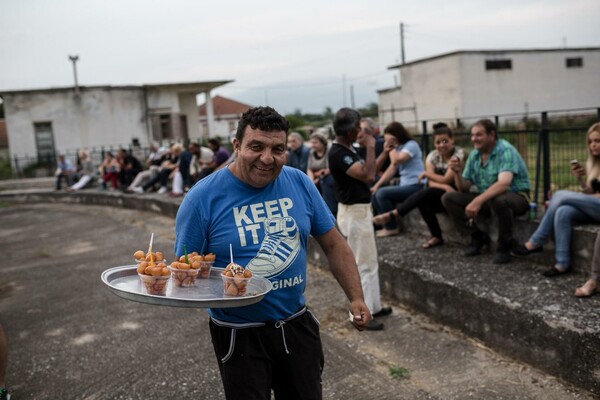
(511, 308)
(583, 239)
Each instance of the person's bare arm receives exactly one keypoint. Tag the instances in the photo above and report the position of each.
(462, 184)
(365, 172)
(344, 269)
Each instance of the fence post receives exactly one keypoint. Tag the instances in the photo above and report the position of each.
(17, 171)
(424, 138)
(497, 122)
(546, 153)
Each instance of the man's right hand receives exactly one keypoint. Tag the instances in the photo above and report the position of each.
(455, 165)
(365, 140)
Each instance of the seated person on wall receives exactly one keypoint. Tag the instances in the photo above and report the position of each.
(567, 207)
(86, 173)
(406, 159)
(64, 170)
(109, 170)
(167, 169)
(440, 180)
(153, 163)
(500, 175)
(220, 157)
(130, 167)
(298, 153)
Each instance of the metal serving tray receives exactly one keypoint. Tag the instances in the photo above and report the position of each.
(206, 293)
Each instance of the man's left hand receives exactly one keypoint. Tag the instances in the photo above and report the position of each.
(473, 208)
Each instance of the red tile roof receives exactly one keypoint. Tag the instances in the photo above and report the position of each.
(224, 106)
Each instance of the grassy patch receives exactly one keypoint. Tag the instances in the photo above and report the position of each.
(399, 372)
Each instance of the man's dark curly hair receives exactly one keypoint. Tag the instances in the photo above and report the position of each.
(262, 118)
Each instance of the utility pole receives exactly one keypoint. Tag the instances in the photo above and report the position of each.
(352, 96)
(402, 42)
(344, 90)
(74, 61)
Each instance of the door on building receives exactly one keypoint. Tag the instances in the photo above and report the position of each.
(44, 143)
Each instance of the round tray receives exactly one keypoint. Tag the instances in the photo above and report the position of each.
(206, 293)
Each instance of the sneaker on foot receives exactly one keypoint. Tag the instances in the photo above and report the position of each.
(163, 189)
(383, 312)
(374, 325)
(137, 189)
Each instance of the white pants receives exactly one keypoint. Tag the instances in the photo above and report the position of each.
(177, 183)
(81, 182)
(355, 224)
(143, 175)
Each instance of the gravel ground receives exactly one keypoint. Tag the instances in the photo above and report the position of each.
(70, 338)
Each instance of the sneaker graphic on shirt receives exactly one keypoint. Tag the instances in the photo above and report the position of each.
(278, 249)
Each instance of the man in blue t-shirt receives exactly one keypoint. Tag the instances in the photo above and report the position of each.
(266, 212)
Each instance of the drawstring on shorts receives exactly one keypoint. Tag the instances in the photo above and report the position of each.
(279, 324)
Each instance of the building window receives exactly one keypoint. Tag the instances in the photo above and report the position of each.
(44, 142)
(574, 62)
(498, 64)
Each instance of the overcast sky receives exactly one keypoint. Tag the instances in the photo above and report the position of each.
(291, 55)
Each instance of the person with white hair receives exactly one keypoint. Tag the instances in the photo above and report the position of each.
(87, 171)
(297, 152)
(168, 168)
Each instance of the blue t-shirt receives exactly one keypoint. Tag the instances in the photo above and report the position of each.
(268, 229)
(410, 170)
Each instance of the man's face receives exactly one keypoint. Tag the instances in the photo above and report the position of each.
(294, 143)
(259, 157)
(481, 140)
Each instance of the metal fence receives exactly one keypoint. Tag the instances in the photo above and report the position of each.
(547, 142)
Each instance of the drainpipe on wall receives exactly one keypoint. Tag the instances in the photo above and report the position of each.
(74, 61)
(210, 117)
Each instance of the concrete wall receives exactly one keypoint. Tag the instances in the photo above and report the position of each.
(538, 81)
(458, 85)
(101, 117)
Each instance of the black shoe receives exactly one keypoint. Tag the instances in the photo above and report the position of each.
(374, 325)
(476, 245)
(383, 312)
(521, 250)
(552, 272)
(502, 257)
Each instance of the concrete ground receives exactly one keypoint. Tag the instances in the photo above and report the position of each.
(70, 338)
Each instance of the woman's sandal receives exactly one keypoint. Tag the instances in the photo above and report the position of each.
(433, 242)
(588, 289)
(382, 218)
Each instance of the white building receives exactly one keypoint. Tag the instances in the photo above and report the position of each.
(42, 122)
(473, 84)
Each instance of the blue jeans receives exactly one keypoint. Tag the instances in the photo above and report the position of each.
(565, 208)
(387, 197)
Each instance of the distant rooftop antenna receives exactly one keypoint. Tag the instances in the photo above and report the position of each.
(74, 61)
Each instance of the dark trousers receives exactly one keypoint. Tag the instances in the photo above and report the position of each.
(285, 357)
(429, 202)
(505, 207)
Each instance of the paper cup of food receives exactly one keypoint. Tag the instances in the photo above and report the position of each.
(154, 278)
(183, 274)
(235, 280)
(203, 263)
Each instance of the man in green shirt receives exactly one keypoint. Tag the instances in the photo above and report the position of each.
(494, 180)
